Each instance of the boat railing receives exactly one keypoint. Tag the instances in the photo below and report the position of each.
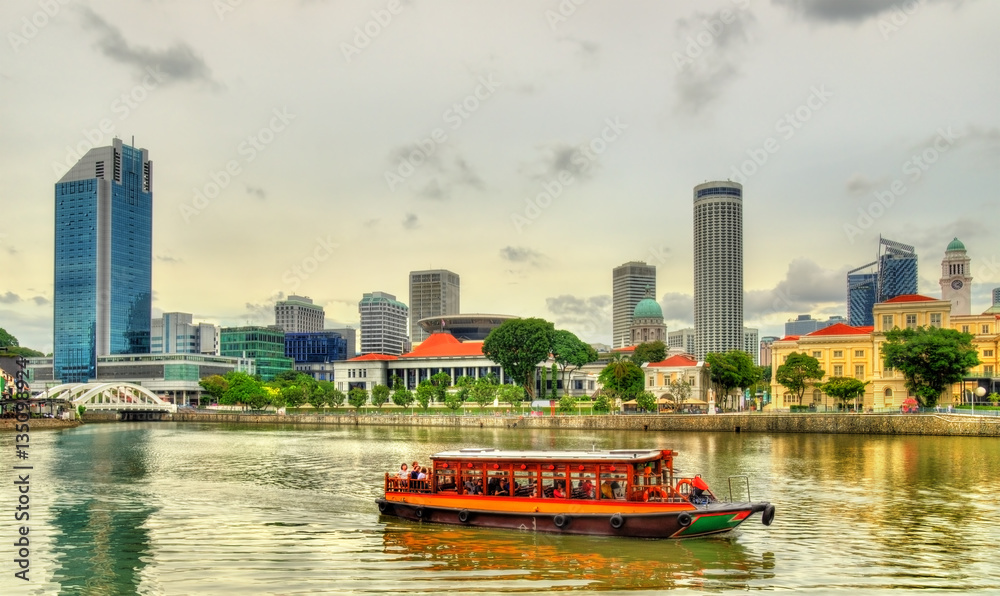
(746, 483)
(394, 484)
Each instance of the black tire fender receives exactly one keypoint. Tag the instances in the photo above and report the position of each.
(617, 521)
(560, 520)
(684, 519)
(768, 515)
(383, 506)
(419, 512)
(463, 515)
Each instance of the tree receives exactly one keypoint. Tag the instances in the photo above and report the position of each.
(930, 359)
(570, 353)
(215, 386)
(336, 398)
(269, 396)
(380, 395)
(646, 401)
(844, 389)
(484, 390)
(441, 381)
(511, 394)
(765, 373)
(567, 403)
(7, 340)
(294, 395)
(243, 390)
(452, 401)
(653, 351)
(357, 397)
(401, 396)
(731, 370)
(555, 383)
(425, 393)
(541, 387)
(623, 378)
(796, 373)
(604, 402)
(679, 391)
(320, 394)
(518, 345)
(464, 385)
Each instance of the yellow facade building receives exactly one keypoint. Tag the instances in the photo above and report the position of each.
(846, 351)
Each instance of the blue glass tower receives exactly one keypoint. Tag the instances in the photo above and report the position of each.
(862, 291)
(103, 260)
(897, 270)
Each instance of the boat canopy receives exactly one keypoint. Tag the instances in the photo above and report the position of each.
(615, 455)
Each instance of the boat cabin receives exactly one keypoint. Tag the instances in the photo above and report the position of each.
(620, 474)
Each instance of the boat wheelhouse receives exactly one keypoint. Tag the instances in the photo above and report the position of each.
(622, 492)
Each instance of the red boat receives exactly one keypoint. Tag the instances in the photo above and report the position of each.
(622, 492)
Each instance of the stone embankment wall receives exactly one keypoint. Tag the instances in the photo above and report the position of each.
(872, 424)
(38, 423)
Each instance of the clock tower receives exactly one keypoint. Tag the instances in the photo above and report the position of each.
(956, 278)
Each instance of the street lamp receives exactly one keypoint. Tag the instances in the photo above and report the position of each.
(980, 391)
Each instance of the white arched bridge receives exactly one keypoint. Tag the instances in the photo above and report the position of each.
(132, 401)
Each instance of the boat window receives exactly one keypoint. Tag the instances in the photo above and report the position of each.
(613, 484)
(553, 479)
(472, 479)
(527, 481)
(499, 482)
(445, 478)
(583, 482)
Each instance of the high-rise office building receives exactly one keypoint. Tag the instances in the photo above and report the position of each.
(350, 335)
(751, 343)
(718, 267)
(264, 345)
(298, 314)
(175, 333)
(103, 259)
(432, 292)
(893, 274)
(682, 339)
(804, 324)
(897, 269)
(629, 284)
(383, 324)
(956, 278)
(862, 294)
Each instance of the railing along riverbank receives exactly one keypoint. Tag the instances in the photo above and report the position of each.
(939, 424)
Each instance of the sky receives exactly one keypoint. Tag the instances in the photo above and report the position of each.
(328, 148)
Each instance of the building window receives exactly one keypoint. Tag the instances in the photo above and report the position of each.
(988, 369)
(936, 319)
(911, 321)
(838, 370)
(986, 329)
(859, 353)
(888, 391)
(988, 353)
(651, 379)
(859, 371)
(838, 353)
(965, 328)
(887, 321)
(817, 354)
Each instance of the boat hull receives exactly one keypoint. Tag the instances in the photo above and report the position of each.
(667, 523)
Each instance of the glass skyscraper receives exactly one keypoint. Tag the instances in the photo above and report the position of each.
(893, 274)
(103, 260)
(862, 293)
(718, 268)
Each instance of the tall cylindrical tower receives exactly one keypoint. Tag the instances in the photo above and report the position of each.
(718, 267)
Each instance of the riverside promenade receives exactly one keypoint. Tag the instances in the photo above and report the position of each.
(936, 424)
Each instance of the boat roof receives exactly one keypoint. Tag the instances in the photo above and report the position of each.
(493, 454)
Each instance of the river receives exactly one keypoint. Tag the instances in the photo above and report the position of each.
(173, 508)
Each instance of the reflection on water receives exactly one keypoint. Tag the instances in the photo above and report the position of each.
(516, 560)
(168, 508)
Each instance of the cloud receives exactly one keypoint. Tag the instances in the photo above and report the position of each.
(520, 254)
(179, 62)
(410, 221)
(437, 175)
(707, 63)
(41, 300)
(859, 184)
(9, 298)
(561, 157)
(589, 318)
(806, 287)
(833, 11)
(677, 308)
(587, 50)
(256, 191)
(168, 259)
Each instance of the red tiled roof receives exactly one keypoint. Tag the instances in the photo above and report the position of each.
(675, 360)
(867, 329)
(789, 338)
(840, 329)
(909, 298)
(444, 344)
(373, 357)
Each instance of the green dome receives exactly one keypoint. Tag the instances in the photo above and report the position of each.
(647, 309)
(955, 244)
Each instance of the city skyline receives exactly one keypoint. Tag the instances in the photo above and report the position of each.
(500, 152)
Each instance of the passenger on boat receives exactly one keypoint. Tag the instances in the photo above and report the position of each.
(403, 473)
(617, 490)
(414, 471)
(587, 488)
(422, 474)
(558, 490)
(606, 490)
(494, 486)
